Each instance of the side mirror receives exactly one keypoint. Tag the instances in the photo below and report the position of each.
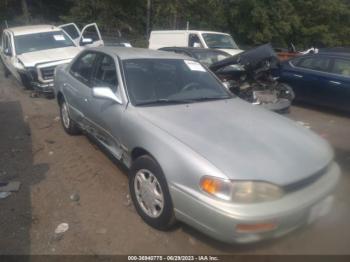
(105, 93)
(8, 52)
(197, 45)
(86, 41)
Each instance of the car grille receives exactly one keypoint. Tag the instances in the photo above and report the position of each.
(47, 73)
(307, 181)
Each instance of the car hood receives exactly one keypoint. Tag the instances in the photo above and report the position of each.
(243, 141)
(251, 58)
(50, 55)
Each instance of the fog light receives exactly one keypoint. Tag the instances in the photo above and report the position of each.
(255, 228)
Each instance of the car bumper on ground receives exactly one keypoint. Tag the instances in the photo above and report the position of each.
(237, 223)
(282, 105)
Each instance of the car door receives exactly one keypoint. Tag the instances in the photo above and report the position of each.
(91, 31)
(309, 78)
(77, 88)
(8, 54)
(293, 75)
(72, 30)
(339, 83)
(316, 79)
(106, 114)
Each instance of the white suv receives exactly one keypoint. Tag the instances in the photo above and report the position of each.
(31, 53)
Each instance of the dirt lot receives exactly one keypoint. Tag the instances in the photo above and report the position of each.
(52, 166)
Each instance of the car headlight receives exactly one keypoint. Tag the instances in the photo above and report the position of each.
(240, 191)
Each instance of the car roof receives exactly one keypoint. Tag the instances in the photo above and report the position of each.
(125, 53)
(32, 29)
(335, 54)
(188, 31)
(191, 49)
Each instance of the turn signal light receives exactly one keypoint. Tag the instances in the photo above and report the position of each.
(210, 185)
(254, 228)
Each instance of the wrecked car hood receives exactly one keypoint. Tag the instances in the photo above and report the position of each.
(243, 141)
(50, 55)
(250, 57)
(232, 51)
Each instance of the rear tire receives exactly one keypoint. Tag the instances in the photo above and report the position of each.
(68, 124)
(150, 194)
(7, 73)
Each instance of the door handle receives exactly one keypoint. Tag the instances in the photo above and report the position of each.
(334, 82)
(299, 76)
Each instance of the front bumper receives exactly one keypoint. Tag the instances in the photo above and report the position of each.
(219, 220)
(47, 88)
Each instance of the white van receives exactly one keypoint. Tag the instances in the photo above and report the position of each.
(191, 38)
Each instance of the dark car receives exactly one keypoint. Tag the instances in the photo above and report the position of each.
(322, 79)
(204, 55)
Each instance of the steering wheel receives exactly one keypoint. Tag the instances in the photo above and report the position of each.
(190, 86)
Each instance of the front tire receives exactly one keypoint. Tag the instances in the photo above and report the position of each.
(26, 82)
(286, 91)
(150, 194)
(68, 124)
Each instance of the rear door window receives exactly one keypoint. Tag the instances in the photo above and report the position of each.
(83, 67)
(315, 63)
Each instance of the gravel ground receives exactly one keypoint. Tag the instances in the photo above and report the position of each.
(70, 180)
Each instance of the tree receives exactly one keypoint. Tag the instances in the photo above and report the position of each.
(251, 22)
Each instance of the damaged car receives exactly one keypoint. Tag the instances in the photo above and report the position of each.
(249, 75)
(195, 152)
(31, 53)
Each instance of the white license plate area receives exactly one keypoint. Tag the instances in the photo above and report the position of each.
(321, 209)
(265, 96)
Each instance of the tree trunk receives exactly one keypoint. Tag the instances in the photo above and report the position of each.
(148, 22)
(25, 11)
(175, 14)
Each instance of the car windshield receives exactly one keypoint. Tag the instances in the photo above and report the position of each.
(219, 41)
(209, 57)
(169, 81)
(41, 41)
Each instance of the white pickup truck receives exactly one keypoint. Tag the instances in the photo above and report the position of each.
(193, 38)
(31, 53)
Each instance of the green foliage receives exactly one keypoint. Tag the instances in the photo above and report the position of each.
(251, 22)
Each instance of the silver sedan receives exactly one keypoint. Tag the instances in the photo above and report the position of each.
(196, 154)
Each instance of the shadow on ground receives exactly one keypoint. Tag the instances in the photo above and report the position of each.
(16, 164)
(323, 109)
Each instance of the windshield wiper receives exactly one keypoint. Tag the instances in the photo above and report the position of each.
(180, 101)
(165, 101)
(210, 98)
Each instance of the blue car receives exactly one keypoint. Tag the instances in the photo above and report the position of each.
(322, 79)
